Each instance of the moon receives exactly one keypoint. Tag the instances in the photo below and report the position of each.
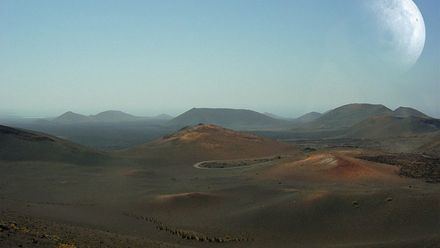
(401, 30)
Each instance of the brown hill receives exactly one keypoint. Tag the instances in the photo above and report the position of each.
(332, 167)
(22, 145)
(390, 126)
(209, 142)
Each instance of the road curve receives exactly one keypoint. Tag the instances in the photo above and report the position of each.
(199, 165)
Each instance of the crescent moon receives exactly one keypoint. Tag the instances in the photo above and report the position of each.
(403, 28)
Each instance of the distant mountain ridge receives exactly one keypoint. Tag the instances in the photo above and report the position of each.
(278, 117)
(72, 117)
(357, 120)
(105, 116)
(229, 118)
(393, 126)
(308, 117)
(114, 116)
(348, 115)
(371, 121)
(407, 112)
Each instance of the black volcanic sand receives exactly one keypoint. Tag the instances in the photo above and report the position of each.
(143, 203)
(412, 165)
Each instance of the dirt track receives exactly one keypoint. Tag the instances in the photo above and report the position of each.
(238, 163)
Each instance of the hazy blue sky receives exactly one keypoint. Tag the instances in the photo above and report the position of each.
(149, 57)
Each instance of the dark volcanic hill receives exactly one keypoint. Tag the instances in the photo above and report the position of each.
(278, 117)
(348, 115)
(392, 126)
(114, 116)
(407, 112)
(209, 142)
(109, 116)
(22, 145)
(308, 117)
(71, 117)
(230, 118)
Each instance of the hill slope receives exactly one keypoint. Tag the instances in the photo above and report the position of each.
(332, 167)
(407, 112)
(348, 115)
(308, 117)
(231, 118)
(114, 116)
(209, 142)
(432, 147)
(71, 117)
(21, 145)
(391, 126)
(274, 116)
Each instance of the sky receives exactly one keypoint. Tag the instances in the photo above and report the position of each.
(152, 57)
